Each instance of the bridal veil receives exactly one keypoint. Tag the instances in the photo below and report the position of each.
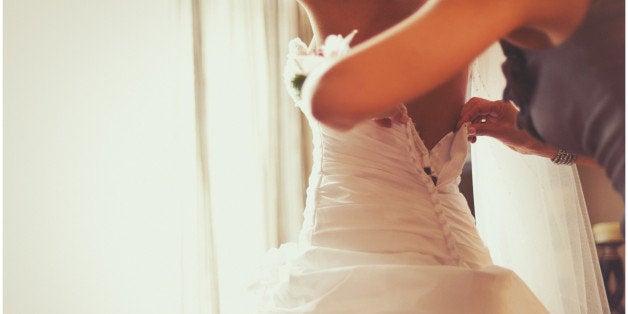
(531, 213)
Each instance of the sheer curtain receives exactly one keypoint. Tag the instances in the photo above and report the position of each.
(532, 215)
(254, 150)
(150, 155)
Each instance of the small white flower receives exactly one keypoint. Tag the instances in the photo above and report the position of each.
(297, 47)
(336, 46)
(303, 60)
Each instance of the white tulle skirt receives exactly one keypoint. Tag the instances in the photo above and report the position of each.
(323, 280)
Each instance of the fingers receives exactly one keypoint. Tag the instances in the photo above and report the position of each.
(476, 105)
(467, 113)
(476, 108)
(483, 129)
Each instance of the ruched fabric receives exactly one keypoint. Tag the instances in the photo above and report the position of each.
(380, 236)
(385, 228)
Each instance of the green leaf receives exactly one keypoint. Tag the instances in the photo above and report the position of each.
(297, 82)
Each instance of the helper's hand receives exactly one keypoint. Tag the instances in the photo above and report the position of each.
(497, 119)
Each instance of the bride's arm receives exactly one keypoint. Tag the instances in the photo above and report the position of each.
(411, 58)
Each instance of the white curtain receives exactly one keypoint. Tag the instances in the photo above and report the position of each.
(150, 155)
(532, 215)
(254, 152)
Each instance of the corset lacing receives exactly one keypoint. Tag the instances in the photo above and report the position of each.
(430, 179)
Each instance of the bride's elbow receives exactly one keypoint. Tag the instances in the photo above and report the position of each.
(329, 114)
(330, 100)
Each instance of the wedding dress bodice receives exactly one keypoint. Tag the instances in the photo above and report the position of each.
(370, 191)
(385, 228)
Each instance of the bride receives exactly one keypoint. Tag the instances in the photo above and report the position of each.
(385, 228)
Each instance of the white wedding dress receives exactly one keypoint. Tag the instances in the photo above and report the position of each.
(381, 235)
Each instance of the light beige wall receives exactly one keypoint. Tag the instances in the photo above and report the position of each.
(99, 156)
(603, 202)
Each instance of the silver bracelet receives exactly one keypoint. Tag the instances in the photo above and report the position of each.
(564, 158)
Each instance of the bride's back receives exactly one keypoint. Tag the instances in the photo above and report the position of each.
(371, 17)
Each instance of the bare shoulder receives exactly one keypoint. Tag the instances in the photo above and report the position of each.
(550, 21)
(429, 48)
(369, 17)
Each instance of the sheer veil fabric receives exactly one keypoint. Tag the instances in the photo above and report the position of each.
(531, 213)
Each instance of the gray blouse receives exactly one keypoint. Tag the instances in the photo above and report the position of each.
(573, 96)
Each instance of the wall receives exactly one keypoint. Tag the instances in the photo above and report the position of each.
(603, 203)
(99, 156)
